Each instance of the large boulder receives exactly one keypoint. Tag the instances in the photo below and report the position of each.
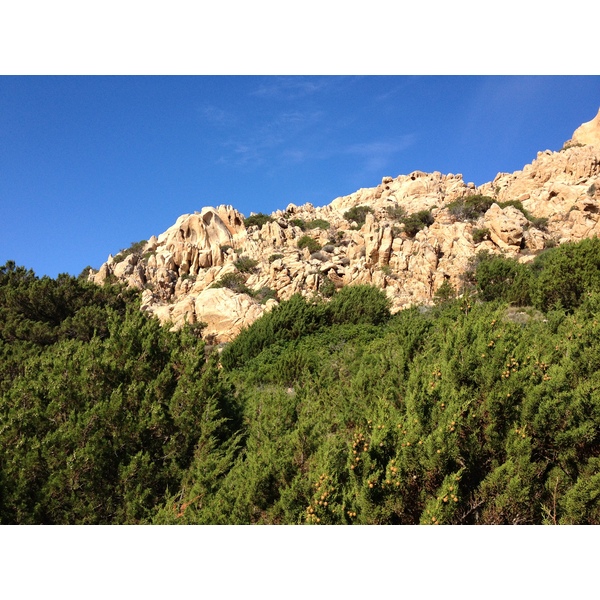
(506, 225)
(225, 312)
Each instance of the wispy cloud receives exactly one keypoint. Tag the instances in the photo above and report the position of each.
(282, 138)
(397, 87)
(376, 156)
(216, 115)
(381, 148)
(291, 88)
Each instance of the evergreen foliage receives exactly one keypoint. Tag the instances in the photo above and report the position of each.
(233, 281)
(396, 212)
(134, 248)
(245, 264)
(414, 222)
(480, 234)
(258, 220)
(318, 224)
(358, 214)
(308, 242)
(470, 208)
(322, 412)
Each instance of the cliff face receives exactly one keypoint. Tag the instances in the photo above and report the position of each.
(178, 271)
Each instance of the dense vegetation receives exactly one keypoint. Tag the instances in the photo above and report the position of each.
(482, 409)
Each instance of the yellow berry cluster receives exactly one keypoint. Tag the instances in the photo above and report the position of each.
(511, 367)
(520, 432)
(434, 519)
(359, 444)
(543, 367)
(391, 475)
(450, 496)
(311, 517)
(324, 486)
(404, 432)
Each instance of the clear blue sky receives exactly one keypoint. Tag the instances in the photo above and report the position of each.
(90, 164)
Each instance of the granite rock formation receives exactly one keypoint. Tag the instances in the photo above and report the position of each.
(210, 268)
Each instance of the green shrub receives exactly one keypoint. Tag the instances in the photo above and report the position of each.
(569, 144)
(470, 208)
(135, 248)
(515, 204)
(289, 321)
(318, 224)
(275, 257)
(259, 219)
(326, 287)
(233, 281)
(307, 242)
(265, 293)
(539, 222)
(359, 304)
(396, 213)
(444, 293)
(297, 317)
(245, 264)
(324, 412)
(565, 274)
(417, 221)
(500, 278)
(480, 234)
(358, 214)
(298, 223)
(85, 272)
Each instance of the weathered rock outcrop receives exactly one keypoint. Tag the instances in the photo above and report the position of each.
(506, 226)
(588, 133)
(179, 269)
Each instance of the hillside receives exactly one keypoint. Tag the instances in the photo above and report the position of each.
(438, 363)
(407, 236)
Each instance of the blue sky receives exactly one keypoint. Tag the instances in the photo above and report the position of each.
(90, 164)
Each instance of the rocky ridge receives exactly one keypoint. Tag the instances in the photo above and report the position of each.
(211, 268)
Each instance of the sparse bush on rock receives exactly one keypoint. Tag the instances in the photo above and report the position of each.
(358, 214)
(258, 220)
(308, 242)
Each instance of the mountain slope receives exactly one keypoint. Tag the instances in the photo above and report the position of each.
(408, 236)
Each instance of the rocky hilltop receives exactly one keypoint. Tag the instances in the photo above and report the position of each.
(407, 236)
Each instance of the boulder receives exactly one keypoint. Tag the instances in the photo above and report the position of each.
(225, 312)
(506, 225)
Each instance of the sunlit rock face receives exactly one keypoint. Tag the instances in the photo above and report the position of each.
(588, 133)
(209, 268)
